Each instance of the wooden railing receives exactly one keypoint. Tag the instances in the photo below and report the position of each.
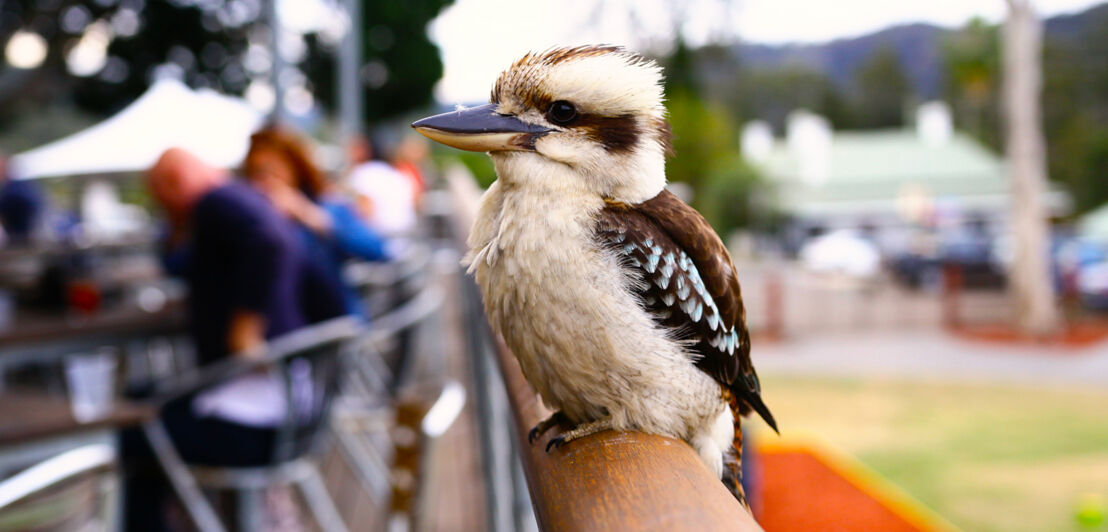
(616, 480)
(610, 481)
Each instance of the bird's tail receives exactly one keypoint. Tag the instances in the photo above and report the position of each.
(732, 461)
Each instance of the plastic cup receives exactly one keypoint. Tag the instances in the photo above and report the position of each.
(91, 379)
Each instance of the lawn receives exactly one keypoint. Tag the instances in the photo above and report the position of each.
(985, 457)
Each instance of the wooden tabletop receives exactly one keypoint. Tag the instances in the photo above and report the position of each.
(28, 416)
(30, 329)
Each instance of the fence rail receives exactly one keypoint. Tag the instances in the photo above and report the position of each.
(616, 480)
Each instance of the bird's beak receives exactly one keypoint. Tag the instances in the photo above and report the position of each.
(481, 129)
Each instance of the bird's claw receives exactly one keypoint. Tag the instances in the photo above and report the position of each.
(555, 443)
(541, 427)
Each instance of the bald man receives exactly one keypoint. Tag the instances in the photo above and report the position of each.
(237, 254)
(178, 179)
(249, 280)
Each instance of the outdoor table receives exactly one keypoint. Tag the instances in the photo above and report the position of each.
(45, 339)
(36, 428)
(31, 328)
(29, 418)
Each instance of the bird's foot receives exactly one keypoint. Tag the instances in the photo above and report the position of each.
(580, 431)
(557, 418)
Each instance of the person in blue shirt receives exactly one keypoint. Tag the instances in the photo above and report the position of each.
(280, 165)
(21, 205)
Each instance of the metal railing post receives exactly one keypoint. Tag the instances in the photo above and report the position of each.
(493, 414)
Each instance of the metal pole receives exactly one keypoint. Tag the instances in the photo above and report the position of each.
(349, 65)
(273, 20)
(492, 415)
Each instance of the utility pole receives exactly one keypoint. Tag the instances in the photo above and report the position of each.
(1030, 279)
(349, 74)
(277, 66)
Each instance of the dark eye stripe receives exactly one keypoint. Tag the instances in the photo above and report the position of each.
(618, 134)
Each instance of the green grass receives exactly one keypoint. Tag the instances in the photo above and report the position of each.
(985, 457)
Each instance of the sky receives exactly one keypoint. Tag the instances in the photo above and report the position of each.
(479, 38)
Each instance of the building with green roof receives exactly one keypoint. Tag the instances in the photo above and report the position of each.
(886, 181)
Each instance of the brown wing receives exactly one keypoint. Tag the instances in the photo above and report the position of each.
(690, 286)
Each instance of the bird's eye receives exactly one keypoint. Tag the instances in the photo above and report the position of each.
(561, 112)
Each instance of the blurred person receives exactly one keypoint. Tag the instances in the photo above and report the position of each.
(280, 165)
(409, 157)
(249, 280)
(386, 196)
(21, 206)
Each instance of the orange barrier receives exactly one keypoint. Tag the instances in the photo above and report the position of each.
(807, 485)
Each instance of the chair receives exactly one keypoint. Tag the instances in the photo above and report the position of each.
(312, 353)
(365, 410)
(385, 285)
(73, 488)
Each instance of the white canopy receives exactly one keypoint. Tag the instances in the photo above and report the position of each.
(215, 127)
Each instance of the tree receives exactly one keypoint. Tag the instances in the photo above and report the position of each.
(206, 42)
(771, 94)
(1074, 100)
(972, 81)
(1075, 112)
(401, 63)
(705, 140)
(1031, 279)
(221, 44)
(882, 91)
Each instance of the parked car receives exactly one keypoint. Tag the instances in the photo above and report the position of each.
(973, 252)
(841, 251)
(1092, 285)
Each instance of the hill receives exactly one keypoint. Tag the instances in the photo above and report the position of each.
(919, 47)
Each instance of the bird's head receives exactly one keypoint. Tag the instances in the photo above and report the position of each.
(594, 110)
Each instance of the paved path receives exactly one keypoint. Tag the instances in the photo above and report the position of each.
(933, 355)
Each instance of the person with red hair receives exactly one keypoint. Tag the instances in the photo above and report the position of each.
(279, 163)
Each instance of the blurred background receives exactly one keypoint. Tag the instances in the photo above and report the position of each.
(915, 195)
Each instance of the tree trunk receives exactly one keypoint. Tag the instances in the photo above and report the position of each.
(1030, 279)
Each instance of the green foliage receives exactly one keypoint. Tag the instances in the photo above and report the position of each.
(479, 164)
(727, 198)
(771, 94)
(1075, 117)
(1079, 158)
(1075, 101)
(705, 140)
(703, 135)
(681, 68)
(882, 91)
(208, 42)
(706, 137)
(402, 64)
(973, 80)
(26, 128)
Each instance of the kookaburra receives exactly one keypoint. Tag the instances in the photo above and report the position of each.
(619, 300)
